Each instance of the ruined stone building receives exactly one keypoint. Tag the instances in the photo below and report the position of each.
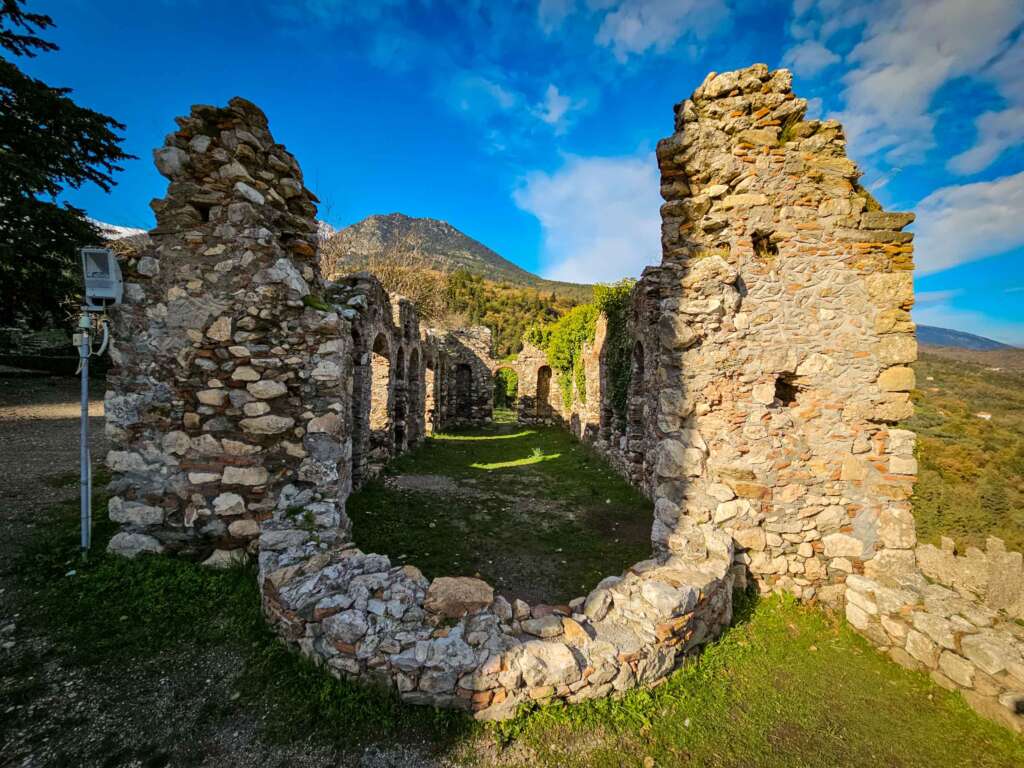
(769, 368)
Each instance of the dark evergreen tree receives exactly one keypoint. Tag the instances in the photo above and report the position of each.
(47, 143)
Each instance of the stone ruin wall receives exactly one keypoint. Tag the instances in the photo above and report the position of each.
(771, 365)
(784, 342)
(388, 382)
(466, 393)
(225, 385)
(244, 396)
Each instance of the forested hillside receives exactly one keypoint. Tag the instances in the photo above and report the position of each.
(970, 425)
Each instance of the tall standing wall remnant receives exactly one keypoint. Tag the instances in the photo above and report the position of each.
(784, 340)
(227, 384)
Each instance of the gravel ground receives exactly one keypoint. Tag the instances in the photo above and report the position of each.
(173, 710)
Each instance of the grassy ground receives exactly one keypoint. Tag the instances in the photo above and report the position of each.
(529, 509)
(786, 686)
(971, 482)
(158, 662)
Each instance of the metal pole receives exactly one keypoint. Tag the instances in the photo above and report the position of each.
(85, 479)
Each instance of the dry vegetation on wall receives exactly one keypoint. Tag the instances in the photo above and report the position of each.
(969, 420)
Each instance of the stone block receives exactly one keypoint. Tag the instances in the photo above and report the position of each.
(455, 596)
(957, 669)
(922, 649)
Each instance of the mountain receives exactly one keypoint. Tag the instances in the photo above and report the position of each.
(944, 337)
(114, 231)
(439, 245)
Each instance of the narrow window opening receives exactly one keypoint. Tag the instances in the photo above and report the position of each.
(204, 211)
(764, 248)
(786, 389)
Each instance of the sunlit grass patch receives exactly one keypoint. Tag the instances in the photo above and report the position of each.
(534, 458)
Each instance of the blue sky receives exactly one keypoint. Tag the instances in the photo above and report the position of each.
(531, 125)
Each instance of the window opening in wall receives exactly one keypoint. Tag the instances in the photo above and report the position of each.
(764, 248)
(786, 389)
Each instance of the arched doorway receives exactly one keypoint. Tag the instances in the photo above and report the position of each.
(544, 392)
(414, 418)
(506, 393)
(463, 391)
(429, 396)
(380, 393)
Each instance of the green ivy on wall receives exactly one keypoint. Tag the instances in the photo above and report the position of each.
(563, 341)
(614, 302)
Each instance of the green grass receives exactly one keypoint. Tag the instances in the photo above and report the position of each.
(112, 612)
(971, 470)
(785, 686)
(543, 516)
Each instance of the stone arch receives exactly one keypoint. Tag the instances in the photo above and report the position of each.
(543, 404)
(463, 391)
(381, 391)
(414, 418)
(430, 399)
(505, 379)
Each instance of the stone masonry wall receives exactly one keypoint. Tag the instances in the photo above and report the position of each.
(388, 387)
(226, 386)
(784, 340)
(467, 388)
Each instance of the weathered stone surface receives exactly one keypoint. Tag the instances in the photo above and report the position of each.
(267, 389)
(455, 596)
(544, 627)
(270, 424)
(132, 544)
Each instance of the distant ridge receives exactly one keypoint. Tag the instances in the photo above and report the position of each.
(933, 336)
(441, 246)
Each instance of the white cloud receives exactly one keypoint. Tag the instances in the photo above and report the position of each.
(555, 108)
(966, 222)
(908, 50)
(600, 216)
(998, 130)
(946, 316)
(551, 13)
(922, 298)
(809, 58)
(635, 26)
(480, 96)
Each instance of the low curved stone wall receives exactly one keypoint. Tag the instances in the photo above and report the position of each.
(452, 643)
(243, 385)
(958, 618)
